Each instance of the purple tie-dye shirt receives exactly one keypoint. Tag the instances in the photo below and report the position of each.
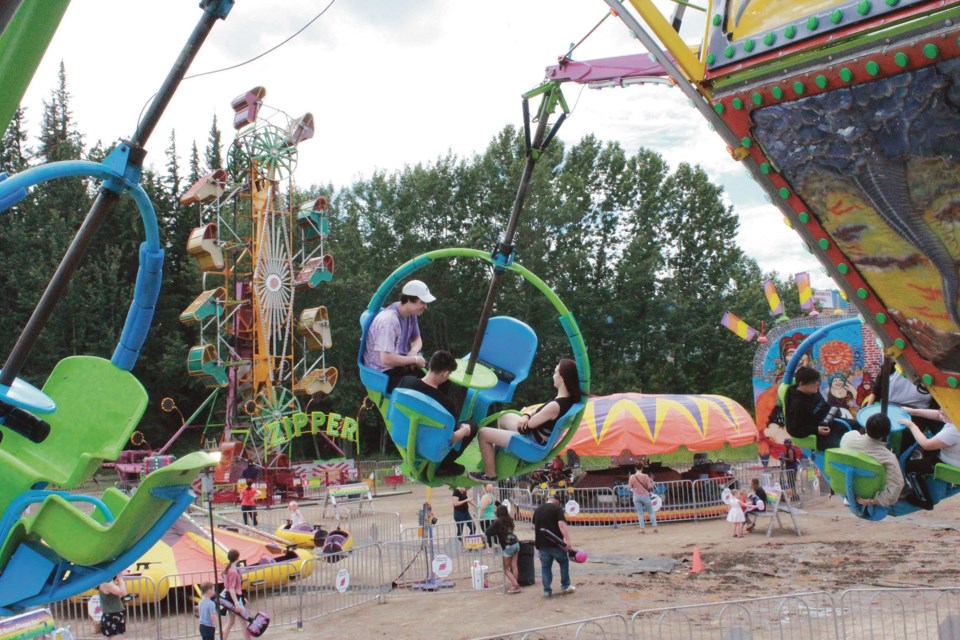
(391, 333)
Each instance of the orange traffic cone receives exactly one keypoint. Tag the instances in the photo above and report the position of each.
(696, 564)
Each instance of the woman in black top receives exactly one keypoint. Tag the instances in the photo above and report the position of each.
(461, 511)
(536, 425)
(502, 529)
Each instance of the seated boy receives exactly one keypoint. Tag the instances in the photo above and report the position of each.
(873, 444)
(442, 364)
(808, 413)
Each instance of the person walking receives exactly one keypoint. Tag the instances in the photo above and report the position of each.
(642, 487)
(549, 517)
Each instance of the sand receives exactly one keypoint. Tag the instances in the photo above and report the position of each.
(837, 551)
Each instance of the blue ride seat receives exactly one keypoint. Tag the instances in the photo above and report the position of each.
(420, 426)
(372, 379)
(508, 348)
(526, 449)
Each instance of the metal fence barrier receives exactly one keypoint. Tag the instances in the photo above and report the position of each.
(409, 563)
(900, 613)
(336, 582)
(804, 616)
(603, 628)
(365, 525)
(383, 476)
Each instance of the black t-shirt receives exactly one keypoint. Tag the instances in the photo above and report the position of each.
(548, 516)
(416, 384)
(461, 494)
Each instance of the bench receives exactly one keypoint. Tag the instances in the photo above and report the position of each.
(338, 494)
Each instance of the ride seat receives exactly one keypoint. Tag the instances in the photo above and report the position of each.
(372, 379)
(856, 475)
(508, 348)
(527, 450)
(98, 407)
(421, 426)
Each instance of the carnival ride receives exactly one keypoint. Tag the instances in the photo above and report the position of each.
(256, 250)
(503, 349)
(843, 112)
(89, 405)
(626, 428)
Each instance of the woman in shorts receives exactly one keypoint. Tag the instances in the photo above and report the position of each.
(502, 530)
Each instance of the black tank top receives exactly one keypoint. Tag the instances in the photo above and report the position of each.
(541, 434)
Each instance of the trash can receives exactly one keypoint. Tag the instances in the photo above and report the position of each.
(478, 575)
(526, 566)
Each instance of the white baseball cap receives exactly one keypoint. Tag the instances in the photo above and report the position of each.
(419, 289)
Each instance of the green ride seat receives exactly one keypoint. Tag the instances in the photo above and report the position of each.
(87, 540)
(946, 473)
(856, 475)
(98, 407)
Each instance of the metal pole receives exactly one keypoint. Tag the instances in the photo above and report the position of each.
(102, 207)
(506, 245)
(208, 490)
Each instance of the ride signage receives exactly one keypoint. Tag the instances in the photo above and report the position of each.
(295, 425)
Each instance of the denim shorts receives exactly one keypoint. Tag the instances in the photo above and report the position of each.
(511, 549)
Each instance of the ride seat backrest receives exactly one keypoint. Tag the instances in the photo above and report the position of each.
(509, 346)
(370, 377)
(84, 540)
(870, 476)
(529, 451)
(420, 422)
(98, 407)
(809, 442)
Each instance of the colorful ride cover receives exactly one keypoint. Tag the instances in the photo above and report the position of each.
(844, 111)
(847, 358)
(646, 424)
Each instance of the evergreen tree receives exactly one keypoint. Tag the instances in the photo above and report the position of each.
(13, 145)
(194, 165)
(213, 155)
(172, 179)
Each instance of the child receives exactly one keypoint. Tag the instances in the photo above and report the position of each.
(503, 529)
(248, 503)
(735, 515)
(208, 613)
(233, 585)
(296, 517)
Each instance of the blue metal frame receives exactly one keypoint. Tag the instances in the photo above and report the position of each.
(118, 175)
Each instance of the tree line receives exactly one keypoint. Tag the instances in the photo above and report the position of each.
(644, 255)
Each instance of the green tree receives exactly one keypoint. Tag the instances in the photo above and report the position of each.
(213, 155)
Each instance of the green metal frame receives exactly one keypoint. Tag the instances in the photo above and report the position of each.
(506, 465)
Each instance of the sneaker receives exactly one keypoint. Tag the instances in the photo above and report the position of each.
(514, 590)
(547, 594)
(567, 590)
(481, 477)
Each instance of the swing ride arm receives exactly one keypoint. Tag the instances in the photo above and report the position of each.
(505, 252)
(128, 157)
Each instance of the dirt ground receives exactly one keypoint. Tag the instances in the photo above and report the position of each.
(836, 551)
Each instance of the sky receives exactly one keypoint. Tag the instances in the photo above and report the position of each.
(390, 83)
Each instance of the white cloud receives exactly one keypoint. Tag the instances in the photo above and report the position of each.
(390, 83)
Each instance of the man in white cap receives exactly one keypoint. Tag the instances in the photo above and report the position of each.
(393, 340)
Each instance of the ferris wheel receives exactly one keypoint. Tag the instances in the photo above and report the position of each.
(255, 252)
